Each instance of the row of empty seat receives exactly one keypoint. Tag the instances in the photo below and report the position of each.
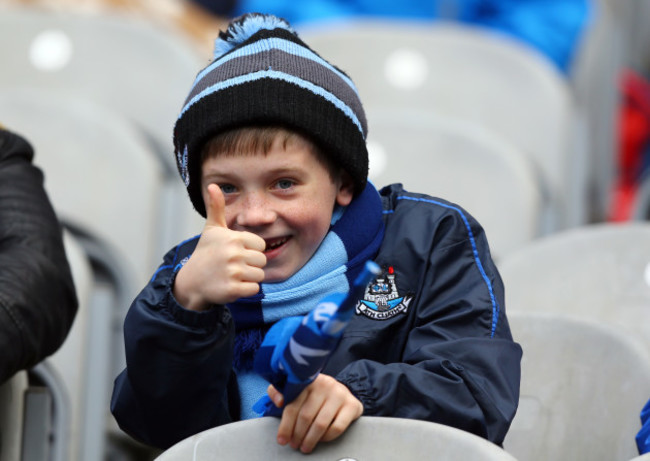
(465, 163)
(600, 272)
(422, 73)
(582, 397)
(97, 97)
(476, 75)
(583, 385)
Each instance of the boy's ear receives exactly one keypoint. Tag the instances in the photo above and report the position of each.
(345, 191)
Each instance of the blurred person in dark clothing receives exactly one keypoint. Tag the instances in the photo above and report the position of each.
(37, 294)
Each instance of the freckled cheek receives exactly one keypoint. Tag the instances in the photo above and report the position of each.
(312, 235)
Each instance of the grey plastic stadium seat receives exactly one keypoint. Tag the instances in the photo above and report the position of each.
(369, 438)
(83, 359)
(47, 417)
(600, 272)
(582, 388)
(472, 73)
(105, 184)
(60, 400)
(138, 70)
(103, 356)
(461, 162)
(42, 411)
(12, 405)
(71, 361)
(99, 172)
(135, 67)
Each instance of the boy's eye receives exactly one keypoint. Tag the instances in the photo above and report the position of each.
(284, 184)
(227, 188)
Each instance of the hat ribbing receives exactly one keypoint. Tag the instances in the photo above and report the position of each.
(264, 74)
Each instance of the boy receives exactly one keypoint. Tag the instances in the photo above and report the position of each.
(271, 146)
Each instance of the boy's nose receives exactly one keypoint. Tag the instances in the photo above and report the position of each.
(255, 212)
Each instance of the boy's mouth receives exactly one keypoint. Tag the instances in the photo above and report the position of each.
(275, 243)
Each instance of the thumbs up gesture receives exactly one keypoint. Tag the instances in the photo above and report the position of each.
(226, 264)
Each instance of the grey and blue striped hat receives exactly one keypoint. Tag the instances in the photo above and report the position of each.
(264, 74)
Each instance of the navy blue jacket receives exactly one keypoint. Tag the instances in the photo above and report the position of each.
(441, 353)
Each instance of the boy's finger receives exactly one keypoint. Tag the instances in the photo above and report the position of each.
(339, 425)
(216, 209)
(275, 396)
(254, 242)
(288, 420)
(253, 271)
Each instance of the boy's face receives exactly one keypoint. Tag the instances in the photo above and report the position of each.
(285, 196)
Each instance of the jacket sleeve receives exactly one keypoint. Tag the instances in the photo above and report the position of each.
(458, 364)
(37, 295)
(178, 375)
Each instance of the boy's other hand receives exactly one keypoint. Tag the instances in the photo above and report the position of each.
(321, 413)
(226, 264)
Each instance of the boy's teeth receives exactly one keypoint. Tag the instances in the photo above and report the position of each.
(275, 244)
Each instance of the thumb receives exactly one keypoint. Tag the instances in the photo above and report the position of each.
(216, 207)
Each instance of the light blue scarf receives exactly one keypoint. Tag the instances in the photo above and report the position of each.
(354, 237)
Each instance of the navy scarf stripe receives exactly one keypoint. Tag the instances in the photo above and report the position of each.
(248, 314)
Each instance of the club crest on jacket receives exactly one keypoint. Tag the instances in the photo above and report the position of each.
(381, 301)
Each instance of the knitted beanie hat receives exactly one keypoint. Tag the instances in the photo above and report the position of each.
(264, 74)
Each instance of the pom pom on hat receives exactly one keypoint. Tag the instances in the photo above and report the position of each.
(264, 74)
(242, 28)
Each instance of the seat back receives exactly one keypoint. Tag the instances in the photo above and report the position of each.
(135, 67)
(62, 400)
(70, 361)
(101, 179)
(600, 272)
(472, 73)
(461, 162)
(103, 350)
(99, 172)
(582, 387)
(368, 438)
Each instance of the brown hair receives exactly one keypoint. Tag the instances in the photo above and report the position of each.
(251, 139)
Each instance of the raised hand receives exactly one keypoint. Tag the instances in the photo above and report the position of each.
(321, 413)
(226, 264)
